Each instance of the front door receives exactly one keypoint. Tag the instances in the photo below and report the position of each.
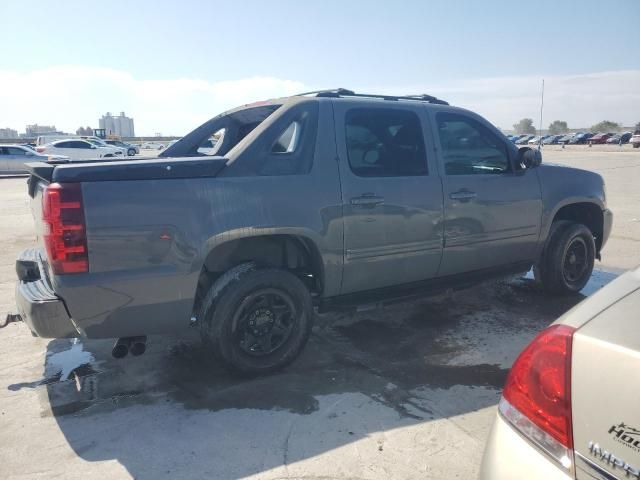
(16, 159)
(392, 196)
(492, 210)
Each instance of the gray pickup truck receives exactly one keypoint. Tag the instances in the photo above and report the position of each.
(323, 200)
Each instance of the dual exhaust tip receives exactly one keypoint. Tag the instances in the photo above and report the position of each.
(134, 345)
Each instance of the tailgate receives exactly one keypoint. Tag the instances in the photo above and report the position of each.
(605, 388)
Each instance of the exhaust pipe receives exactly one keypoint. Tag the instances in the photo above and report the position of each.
(121, 347)
(138, 345)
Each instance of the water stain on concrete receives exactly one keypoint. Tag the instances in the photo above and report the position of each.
(386, 355)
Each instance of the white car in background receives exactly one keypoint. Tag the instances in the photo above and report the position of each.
(78, 149)
(121, 151)
(152, 146)
(14, 157)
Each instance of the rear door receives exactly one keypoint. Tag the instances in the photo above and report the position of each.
(605, 392)
(63, 148)
(492, 211)
(392, 195)
(3, 160)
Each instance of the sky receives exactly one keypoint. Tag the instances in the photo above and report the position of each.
(172, 65)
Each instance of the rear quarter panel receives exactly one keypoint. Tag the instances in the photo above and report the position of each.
(148, 239)
(605, 388)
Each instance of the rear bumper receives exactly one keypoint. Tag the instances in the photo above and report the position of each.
(38, 305)
(508, 455)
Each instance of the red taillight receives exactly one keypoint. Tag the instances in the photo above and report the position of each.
(539, 383)
(65, 237)
(40, 149)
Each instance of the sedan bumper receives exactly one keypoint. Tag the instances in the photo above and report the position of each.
(508, 456)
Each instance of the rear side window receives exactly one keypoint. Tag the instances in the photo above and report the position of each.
(288, 140)
(212, 145)
(469, 147)
(385, 142)
(63, 145)
(15, 151)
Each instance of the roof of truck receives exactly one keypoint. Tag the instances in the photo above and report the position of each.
(346, 93)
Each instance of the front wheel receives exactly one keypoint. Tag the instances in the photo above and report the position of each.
(568, 258)
(131, 152)
(256, 320)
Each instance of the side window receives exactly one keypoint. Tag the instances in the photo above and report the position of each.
(470, 148)
(16, 151)
(63, 145)
(211, 145)
(385, 142)
(84, 145)
(288, 141)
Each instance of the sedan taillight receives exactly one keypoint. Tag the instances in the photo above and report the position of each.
(537, 396)
(65, 236)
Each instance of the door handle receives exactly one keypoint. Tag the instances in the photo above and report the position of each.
(367, 200)
(463, 195)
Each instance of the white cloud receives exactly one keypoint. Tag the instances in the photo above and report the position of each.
(71, 96)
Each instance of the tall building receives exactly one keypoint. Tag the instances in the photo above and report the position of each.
(120, 125)
(35, 130)
(6, 133)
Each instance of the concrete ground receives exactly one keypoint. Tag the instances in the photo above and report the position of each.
(406, 392)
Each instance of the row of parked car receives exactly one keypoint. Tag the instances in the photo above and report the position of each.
(578, 138)
(14, 157)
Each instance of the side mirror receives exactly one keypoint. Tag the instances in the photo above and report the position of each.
(529, 157)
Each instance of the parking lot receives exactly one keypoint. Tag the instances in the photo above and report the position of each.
(408, 391)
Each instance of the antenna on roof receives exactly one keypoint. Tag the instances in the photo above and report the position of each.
(541, 108)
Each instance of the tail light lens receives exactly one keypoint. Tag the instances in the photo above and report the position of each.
(537, 396)
(65, 236)
(40, 149)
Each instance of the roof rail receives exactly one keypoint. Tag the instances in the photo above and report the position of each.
(343, 92)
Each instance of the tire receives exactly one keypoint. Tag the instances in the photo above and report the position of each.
(567, 260)
(131, 152)
(636, 145)
(256, 321)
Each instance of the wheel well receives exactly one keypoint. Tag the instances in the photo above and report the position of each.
(290, 252)
(588, 214)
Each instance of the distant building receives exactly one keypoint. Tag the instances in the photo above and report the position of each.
(8, 133)
(35, 130)
(120, 125)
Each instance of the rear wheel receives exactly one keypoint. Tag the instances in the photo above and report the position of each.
(131, 152)
(568, 258)
(256, 320)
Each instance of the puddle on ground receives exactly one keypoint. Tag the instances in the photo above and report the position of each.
(386, 354)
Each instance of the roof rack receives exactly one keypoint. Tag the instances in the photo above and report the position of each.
(343, 92)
